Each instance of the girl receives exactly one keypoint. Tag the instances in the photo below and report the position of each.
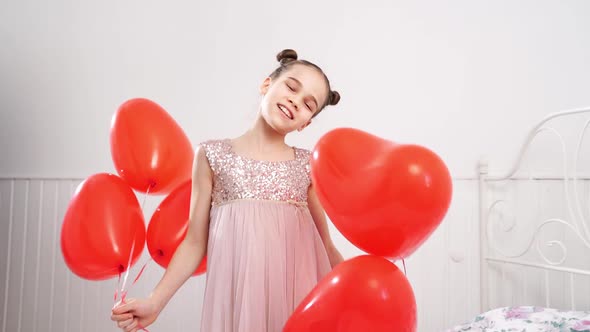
(255, 214)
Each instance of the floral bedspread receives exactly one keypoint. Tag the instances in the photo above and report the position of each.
(524, 319)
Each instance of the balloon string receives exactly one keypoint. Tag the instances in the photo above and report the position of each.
(404, 263)
(140, 273)
(120, 288)
(133, 245)
(147, 192)
(128, 266)
(117, 289)
(123, 292)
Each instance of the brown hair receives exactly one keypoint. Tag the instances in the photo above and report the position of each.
(288, 58)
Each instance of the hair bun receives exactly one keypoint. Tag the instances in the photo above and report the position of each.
(334, 97)
(286, 56)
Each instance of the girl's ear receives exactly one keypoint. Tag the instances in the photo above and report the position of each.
(265, 85)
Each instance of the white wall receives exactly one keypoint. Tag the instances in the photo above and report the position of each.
(444, 74)
(465, 78)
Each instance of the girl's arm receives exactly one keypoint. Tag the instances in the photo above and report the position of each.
(319, 217)
(192, 249)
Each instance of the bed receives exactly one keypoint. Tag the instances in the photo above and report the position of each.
(535, 232)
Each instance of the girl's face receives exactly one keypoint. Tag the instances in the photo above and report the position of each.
(290, 100)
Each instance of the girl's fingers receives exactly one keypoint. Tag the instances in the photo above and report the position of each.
(125, 323)
(132, 326)
(122, 317)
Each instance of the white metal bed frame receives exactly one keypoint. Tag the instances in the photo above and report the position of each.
(490, 251)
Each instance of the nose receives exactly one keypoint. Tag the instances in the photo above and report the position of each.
(293, 103)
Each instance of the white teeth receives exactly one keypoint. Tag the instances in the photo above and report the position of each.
(286, 112)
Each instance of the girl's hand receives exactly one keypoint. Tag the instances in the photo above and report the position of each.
(135, 314)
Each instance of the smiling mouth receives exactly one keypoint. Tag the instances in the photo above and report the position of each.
(286, 111)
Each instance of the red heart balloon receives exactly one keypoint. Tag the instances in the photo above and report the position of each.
(101, 225)
(149, 149)
(168, 227)
(385, 198)
(365, 293)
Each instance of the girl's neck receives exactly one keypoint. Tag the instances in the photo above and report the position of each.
(262, 138)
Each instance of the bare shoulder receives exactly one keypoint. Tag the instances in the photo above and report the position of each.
(201, 154)
(211, 151)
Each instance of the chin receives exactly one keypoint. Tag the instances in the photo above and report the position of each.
(277, 123)
(274, 125)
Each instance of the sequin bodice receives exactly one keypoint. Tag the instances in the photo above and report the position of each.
(238, 178)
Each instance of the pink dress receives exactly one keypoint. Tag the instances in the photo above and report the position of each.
(264, 253)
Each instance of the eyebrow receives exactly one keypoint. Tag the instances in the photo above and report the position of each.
(312, 96)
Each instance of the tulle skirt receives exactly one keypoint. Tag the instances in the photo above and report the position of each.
(263, 258)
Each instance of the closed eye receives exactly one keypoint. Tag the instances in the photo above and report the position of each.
(290, 88)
